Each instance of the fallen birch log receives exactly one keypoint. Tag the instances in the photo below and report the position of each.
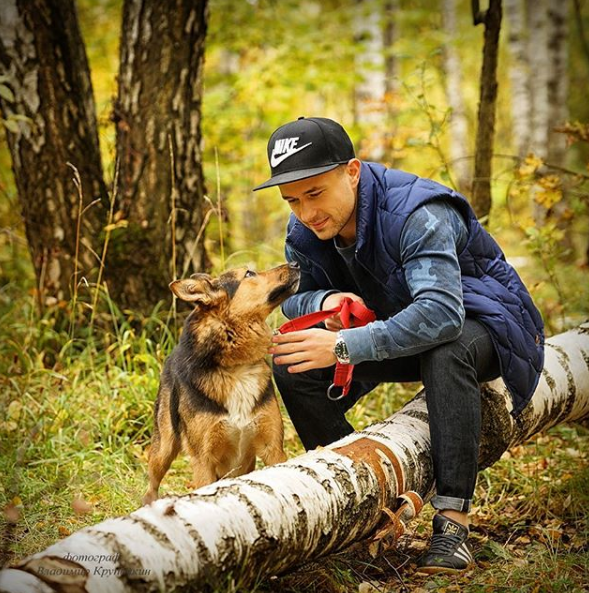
(267, 522)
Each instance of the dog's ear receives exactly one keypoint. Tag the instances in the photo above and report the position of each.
(198, 289)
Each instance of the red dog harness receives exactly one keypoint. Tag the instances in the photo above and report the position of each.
(352, 314)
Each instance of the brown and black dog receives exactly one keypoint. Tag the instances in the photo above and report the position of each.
(216, 399)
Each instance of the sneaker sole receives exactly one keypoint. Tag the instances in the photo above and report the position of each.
(443, 569)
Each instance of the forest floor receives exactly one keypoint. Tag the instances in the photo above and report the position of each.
(73, 445)
(529, 532)
(76, 415)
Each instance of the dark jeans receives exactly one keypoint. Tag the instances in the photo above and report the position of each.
(450, 374)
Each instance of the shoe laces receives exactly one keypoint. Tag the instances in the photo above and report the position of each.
(444, 544)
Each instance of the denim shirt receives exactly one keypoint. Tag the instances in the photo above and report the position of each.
(430, 242)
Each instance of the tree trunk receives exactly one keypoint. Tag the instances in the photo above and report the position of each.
(558, 78)
(52, 123)
(157, 117)
(481, 187)
(274, 519)
(369, 103)
(558, 87)
(392, 75)
(537, 11)
(391, 13)
(519, 75)
(458, 124)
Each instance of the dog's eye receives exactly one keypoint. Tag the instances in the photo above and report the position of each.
(250, 274)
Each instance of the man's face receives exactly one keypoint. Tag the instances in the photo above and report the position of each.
(326, 203)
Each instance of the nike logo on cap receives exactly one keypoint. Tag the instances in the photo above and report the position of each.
(284, 148)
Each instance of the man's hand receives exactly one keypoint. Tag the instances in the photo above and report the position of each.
(304, 350)
(334, 323)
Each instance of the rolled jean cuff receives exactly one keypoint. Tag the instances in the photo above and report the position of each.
(449, 503)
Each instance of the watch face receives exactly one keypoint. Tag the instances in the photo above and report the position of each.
(341, 351)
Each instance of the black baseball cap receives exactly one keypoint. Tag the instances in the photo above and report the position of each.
(306, 147)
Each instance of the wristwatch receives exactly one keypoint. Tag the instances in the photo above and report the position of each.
(341, 350)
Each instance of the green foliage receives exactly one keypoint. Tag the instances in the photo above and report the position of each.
(559, 199)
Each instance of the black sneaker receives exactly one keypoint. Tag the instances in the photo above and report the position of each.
(448, 551)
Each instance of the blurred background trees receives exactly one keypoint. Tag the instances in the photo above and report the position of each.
(402, 76)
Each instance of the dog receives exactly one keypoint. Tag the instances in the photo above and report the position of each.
(216, 399)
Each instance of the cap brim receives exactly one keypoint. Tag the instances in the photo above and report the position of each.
(291, 176)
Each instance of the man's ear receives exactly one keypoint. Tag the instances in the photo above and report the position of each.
(198, 289)
(353, 168)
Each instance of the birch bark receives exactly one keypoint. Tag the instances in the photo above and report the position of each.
(274, 519)
(52, 123)
(537, 11)
(458, 128)
(157, 116)
(558, 31)
(558, 14)
(369, 104)
(519, 75)
(391, 13)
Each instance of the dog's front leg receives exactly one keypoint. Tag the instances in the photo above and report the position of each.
(269, 439)
(203, 471)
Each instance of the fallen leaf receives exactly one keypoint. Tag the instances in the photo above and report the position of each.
(370, 587)
(80, 506)
(12, 513)
(14, 409)
(8, 426)
(84, 437)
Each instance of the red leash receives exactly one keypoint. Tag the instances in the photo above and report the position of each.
(350, 312)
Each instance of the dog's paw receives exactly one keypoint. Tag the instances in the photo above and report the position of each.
(149, 498)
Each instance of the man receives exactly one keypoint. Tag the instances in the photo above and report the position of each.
(450, 310)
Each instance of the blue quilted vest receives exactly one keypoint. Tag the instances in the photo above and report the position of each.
(492, 290)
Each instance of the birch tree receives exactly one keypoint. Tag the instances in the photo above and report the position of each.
(458, 124)
(157, 115)
(519, 75)
(537, 11)
(558, 31)
(50, 110)
(369, 103)
(539, 78)
(44, 64)
(390, 33)
(538, 73)
(391, 11)
(368, 484)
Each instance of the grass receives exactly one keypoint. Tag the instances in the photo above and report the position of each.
(77, 416)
